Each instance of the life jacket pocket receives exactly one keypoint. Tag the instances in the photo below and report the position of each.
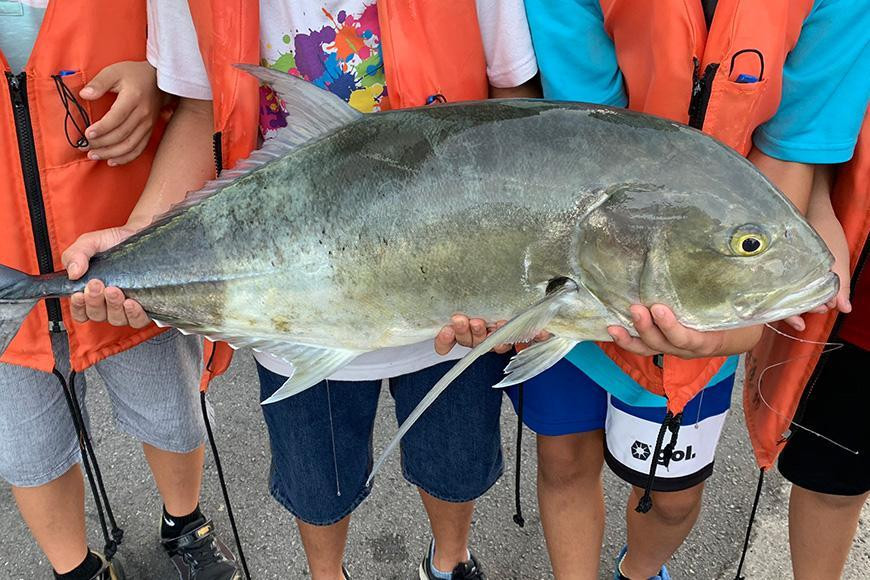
(60, 119)
(732, 110)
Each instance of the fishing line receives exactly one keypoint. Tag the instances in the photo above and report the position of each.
(332, 432)
(829, 347)
(697, 424)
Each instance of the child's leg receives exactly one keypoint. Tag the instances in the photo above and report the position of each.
(817, 555)
(453, 454)
(321, 452)
(39, 456)
(55, 513)
(654, 536)
(568, 410)
(830, 483)
(631, 434)
(324, 548)
(571, 500)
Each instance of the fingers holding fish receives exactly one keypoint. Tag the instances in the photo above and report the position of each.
(76, 258)
(135, 314)
(445, 340)
(101, 304)
(659, 331)
(624, 340)
(95, 302)
(468, 332)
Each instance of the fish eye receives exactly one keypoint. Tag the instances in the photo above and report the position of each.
(748, 241)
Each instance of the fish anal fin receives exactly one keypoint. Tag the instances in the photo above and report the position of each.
(310, 366)
(521, 328)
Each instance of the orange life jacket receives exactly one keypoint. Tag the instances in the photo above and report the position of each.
(418, 65)
(771, 405)
(51, 192)
(674, 67)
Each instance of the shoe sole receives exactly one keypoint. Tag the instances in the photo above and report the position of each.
(423, 574)
(117, 570)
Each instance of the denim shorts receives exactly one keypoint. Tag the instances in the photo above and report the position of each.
(153, 388)
(321, 439)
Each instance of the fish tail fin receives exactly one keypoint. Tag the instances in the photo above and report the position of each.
(14, 307)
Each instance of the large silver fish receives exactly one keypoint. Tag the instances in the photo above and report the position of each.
(347, 233)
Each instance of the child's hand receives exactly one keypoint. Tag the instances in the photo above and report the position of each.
(659, 331)
(821, 216)
(123, 133)
(99, 303)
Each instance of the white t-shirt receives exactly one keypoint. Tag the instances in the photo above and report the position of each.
(334, 44)
(19, 25)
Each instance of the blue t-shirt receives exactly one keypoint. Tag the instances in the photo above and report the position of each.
(826, 86)
(19, 25)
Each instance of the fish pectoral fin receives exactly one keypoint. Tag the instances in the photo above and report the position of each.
(520, 328)
(534, 360)
(311, 364)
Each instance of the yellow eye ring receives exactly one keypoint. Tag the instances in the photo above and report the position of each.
(748, 244)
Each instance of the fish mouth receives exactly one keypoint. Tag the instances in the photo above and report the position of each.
(791, 303)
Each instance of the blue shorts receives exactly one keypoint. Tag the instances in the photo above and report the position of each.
(564, 400)
(321, 439)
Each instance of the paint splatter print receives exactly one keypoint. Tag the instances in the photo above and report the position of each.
(343, 55)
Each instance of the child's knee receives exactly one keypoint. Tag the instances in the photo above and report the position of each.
(675, 507)
(570, 461)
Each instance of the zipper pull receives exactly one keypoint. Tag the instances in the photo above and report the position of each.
(15, 89)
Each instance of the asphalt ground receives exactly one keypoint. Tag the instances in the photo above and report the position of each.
(389, 532)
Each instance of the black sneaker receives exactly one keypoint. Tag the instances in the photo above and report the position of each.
(110, 570)
(469, 570)
(345, 573)
(200, 555)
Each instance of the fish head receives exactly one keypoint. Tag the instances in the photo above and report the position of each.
(718, 259)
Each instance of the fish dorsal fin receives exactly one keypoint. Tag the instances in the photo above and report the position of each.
(521, 328)
(312, 113)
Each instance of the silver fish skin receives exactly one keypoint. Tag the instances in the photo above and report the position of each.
(355, 232)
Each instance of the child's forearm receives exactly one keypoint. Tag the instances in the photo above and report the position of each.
(740, 340)
(183, 162)
(795, 180)
(530, 89)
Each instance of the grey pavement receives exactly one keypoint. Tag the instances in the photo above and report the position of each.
(388, 534)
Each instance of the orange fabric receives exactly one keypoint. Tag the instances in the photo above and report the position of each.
(784, 384)
(429, 51)
(229, 33)
(662, 48)
(856, 325)
(417, 66)
(82, 36)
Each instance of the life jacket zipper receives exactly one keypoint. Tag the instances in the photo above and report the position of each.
(702, 87)
(217, 150)
(33, 188)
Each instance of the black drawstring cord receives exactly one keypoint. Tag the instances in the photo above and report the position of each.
(672, 423)
(755, 503)
(518, 515)
(117, 533)
(95, 477)
(67, 97)
(220, 471)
